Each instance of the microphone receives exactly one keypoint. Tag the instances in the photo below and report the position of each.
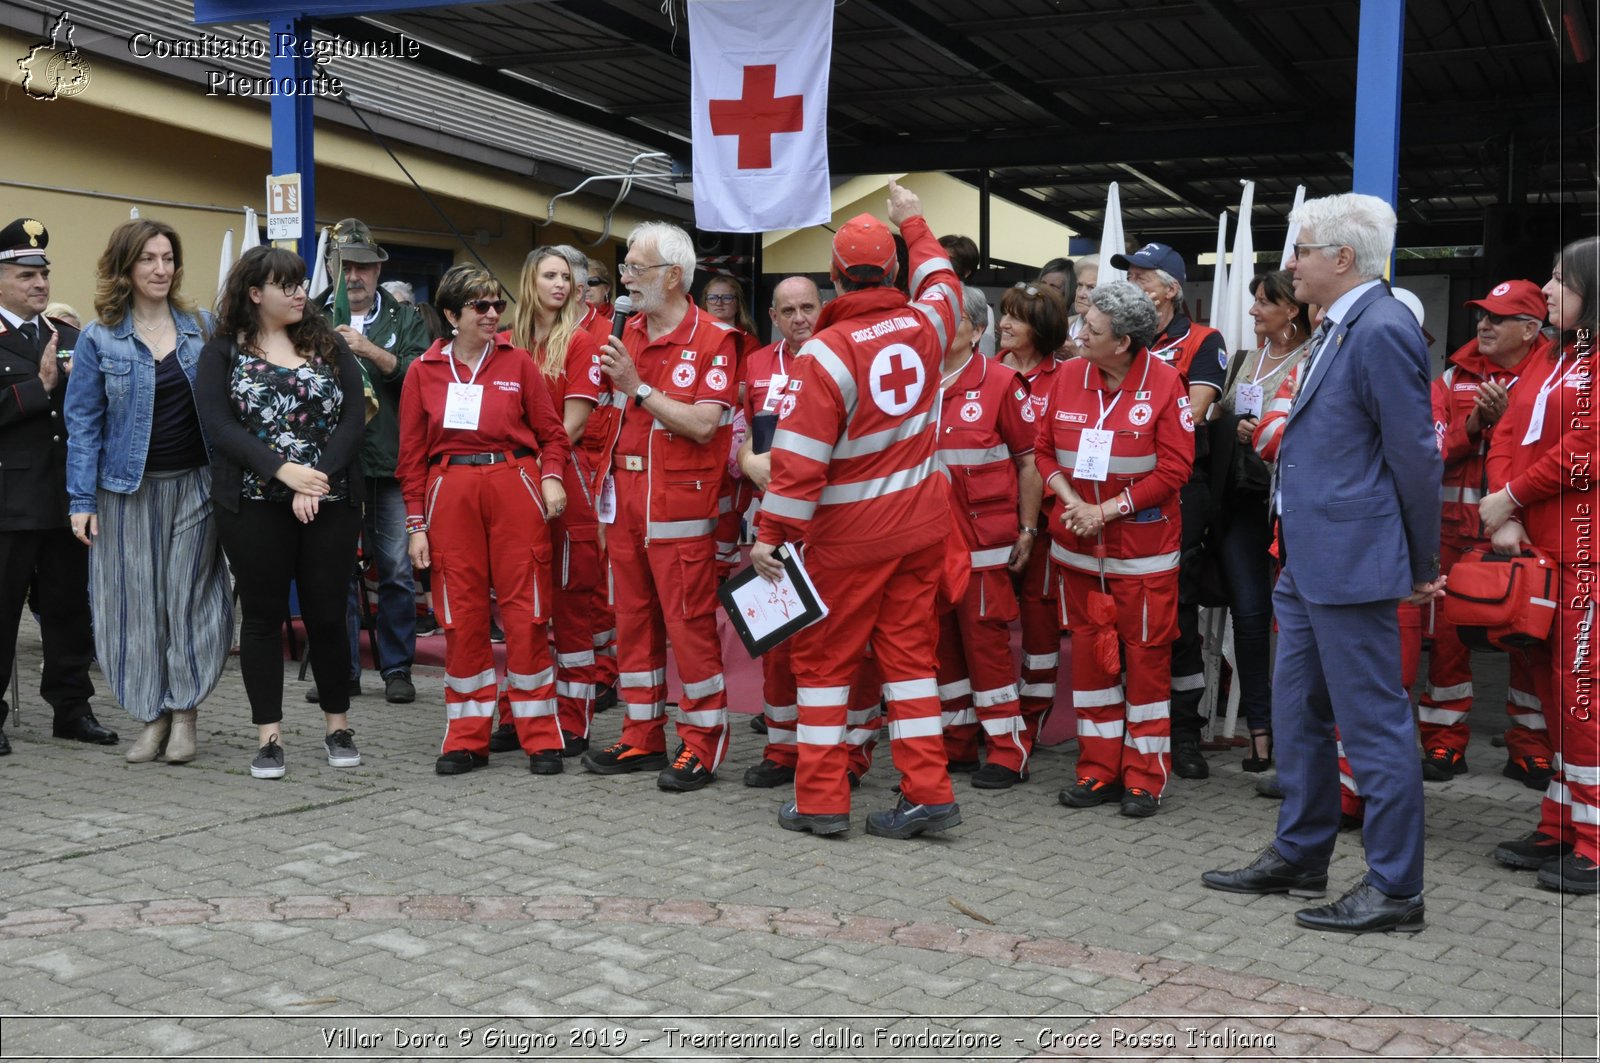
(621, 310)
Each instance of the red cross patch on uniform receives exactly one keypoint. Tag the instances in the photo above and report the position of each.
(716, 380)
(1139, 415)
(683, 374)
(971, 411)
(896, 379)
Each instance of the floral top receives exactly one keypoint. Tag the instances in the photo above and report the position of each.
(292, 411)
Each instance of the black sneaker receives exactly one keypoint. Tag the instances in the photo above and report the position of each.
(605, 697)
(398, 689)
(341, 747)
(1440, 764)
(316, 699)
(427, 625)
(685, 774)
(545, 762)
(961, 767)
(459, 762)
(906, 820)
(621, 758)
(1087, 793)
(769, 773)
(504, 739)
(997, 777)
(1137, 803)
(1572, 873)
(1533, 772)
(1187, 760)
(1531, 852)
(758, 724)
(573, 745)
(495, 634)
(269, 761)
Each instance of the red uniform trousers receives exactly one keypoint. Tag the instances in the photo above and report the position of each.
(1442, 713)
(576, 576)
(733, 500)
(782, 713)
(977, 682)
(1351, 803)
(1564, 674)
(1041, 635)
(487, 530)
(603, 624)
(1123, 735)
(666, 589)
(890, 603)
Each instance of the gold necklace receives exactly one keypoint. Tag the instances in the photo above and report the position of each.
(152, 328)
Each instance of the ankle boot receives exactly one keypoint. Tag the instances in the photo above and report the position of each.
(147, 746)
(180, 747)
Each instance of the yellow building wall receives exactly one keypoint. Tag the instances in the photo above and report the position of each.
(951, 207)
(136, 139)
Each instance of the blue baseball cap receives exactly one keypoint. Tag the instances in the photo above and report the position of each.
(1153, 256)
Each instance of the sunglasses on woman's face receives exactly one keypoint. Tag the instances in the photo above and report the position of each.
(483, 306)
(596, 282)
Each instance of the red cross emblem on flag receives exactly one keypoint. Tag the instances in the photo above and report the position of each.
(758, 116)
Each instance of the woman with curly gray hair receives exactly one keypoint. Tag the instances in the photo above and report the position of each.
(1115, 444)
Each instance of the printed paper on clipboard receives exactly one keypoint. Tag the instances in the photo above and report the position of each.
(763, 612)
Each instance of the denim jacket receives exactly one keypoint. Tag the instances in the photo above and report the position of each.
(110, 405)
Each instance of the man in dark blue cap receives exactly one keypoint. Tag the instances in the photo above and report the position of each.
(1198, 353)
(39, 555)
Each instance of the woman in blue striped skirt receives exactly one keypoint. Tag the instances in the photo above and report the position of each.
(138, 485)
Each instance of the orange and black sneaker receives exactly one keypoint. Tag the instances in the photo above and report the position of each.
(685, 774)
(1440, 764)
(1533, 772)
(1137, 803)
(620, 759)
(1087, 792)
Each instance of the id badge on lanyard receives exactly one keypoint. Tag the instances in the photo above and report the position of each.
(1536, 418)
(605, 507)
(464, 402)
(1248, 403)
(1094, 445)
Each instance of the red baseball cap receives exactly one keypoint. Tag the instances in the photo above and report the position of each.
(863, 249)
(1510, 298)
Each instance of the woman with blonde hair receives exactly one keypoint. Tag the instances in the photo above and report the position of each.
(550, 309)
(139, 491)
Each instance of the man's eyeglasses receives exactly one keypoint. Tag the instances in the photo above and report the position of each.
(483, 306)
(1301, 249)
(630, 270)
(596, 282)
(722, 297)
(1500, 319)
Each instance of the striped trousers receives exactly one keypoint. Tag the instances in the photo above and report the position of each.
(163, 609)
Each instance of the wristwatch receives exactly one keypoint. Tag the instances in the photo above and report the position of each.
(642, 392)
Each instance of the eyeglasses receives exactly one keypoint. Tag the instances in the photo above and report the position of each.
(483, 306)
(291, 288)
(596, 282)
(630, 270)
(1301, 249)
(722, 297)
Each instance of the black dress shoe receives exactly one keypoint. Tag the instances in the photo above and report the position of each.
(86, 729)
(1363, 910)
(5, 745)
(504, 739)
(1269, 873)
(1187, 760)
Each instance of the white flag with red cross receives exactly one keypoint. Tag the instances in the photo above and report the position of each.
(759, 90)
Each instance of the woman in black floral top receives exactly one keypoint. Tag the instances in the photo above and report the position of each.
(280, 397)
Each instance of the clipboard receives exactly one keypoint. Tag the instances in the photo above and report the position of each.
(766, 613)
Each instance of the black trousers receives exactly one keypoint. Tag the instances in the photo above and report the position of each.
(51, 568)
(268, 548)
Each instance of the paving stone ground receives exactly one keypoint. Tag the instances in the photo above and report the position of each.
(383, 912)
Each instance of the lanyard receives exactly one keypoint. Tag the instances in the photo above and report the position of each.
(1099, 396)
(1159, 352)
(1557, 378)
(450, 354)
(1256, 376)
(779, 353)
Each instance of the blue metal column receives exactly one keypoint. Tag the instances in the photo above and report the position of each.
(292, 129)
(1379, 67)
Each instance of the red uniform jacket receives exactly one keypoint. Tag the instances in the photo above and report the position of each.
(694, 363)
(1152, 454)
(853, 458)
(1551, 477)
(516, 412)
(1454, 393)
(986, 420)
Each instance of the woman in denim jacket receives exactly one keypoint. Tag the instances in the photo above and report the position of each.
(139, 487)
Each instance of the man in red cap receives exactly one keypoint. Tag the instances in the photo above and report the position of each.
(1467, 401)
(854, 477)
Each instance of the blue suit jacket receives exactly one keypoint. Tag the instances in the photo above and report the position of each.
(1359, 466)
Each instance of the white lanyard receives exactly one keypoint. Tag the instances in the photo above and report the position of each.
(1256, 375)
(449, 353)
(1557, 378)
(1099, 396)
(1160, 351)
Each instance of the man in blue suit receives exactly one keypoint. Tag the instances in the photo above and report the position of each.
(1358, 504)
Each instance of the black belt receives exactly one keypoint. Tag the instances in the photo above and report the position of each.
(492, 458)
